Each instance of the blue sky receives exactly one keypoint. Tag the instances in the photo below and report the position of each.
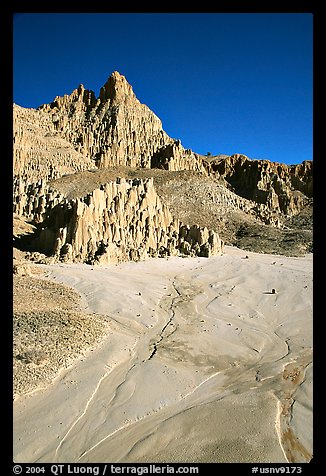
(221, 83)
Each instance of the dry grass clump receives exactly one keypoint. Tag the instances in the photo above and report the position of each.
(49, 331)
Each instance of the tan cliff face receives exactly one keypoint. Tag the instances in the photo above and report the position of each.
(115, 129)
(39, 151)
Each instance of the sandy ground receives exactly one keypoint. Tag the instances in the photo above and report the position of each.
(202, 362)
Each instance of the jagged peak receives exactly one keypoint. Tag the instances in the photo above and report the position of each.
(80, 94)
(116, 88)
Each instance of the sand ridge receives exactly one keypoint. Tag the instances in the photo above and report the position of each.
(200, 364)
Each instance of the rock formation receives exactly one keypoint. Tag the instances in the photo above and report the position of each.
(281, 187)
(174, 157)
(40, 152)
(114, 129)
(33, 200)
(79, 131)
(122, 219)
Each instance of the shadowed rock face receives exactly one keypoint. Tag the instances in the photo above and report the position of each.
(279, 186)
